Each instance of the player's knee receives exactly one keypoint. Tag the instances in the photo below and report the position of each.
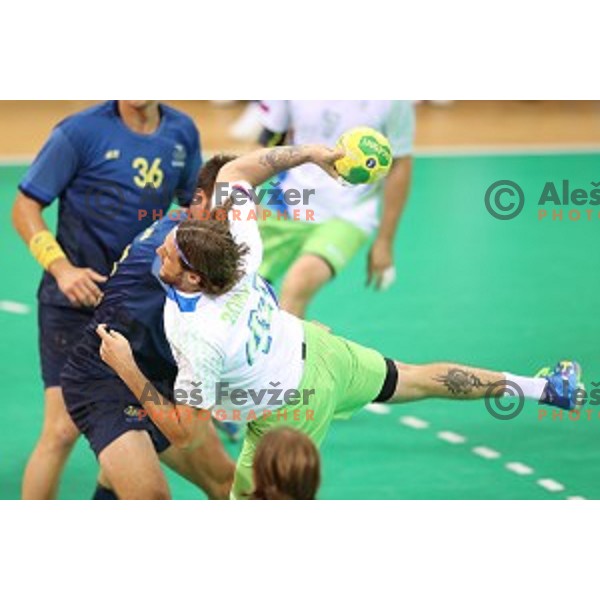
(307, 276)
(299, 289)
(60, 435)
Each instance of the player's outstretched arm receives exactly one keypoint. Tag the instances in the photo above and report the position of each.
(260, 165)
(185, 427)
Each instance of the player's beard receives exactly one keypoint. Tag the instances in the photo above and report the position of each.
(174, 280)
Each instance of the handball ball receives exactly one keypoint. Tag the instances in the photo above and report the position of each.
(368, 156)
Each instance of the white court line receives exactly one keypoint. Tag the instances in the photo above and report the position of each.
(414, 422)
(378, 409)
(486, 452)
(519, 468)
(551, 485)
(451, 437)
(14, 307)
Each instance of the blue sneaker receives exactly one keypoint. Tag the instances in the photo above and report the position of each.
(564, 381)
(231, 430)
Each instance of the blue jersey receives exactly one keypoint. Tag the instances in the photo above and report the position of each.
(133, 304)
(111, 183)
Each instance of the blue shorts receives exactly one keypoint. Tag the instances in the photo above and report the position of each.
(60, 328)
(100, 404)
(104, 410)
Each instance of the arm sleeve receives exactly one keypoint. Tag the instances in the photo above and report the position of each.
(189, 178)
(52, 170)
(400, 128)
(243, 221)
(200, 364)
(275, 115)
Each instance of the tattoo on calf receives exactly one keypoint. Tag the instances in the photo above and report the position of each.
(460, 381)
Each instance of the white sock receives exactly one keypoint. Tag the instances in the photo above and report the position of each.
(532, 387)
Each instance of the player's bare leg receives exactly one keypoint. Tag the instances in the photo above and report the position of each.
(131, 465)
(45, 465)
(460, 382)
(303, 280)
(209, 466)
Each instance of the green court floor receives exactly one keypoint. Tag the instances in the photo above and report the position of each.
(511, 295)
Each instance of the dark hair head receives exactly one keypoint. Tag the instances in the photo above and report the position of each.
(286, 466)
(209, 171)
(211, 252)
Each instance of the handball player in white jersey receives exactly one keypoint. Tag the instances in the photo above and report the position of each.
(241, 358)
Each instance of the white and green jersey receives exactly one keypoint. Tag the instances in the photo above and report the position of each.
(233, 350)
(324, 121)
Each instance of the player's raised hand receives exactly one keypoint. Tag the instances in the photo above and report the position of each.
(77, 284)
(115, 350)
(325, 157)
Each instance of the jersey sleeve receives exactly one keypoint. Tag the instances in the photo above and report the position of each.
(199, 364)
(189, 178)
(400, 127)
(53, 168)
(243, 219)
(275, 115)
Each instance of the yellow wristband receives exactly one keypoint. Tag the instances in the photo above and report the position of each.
(45, 248)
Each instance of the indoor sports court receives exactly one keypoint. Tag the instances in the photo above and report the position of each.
(508, 294)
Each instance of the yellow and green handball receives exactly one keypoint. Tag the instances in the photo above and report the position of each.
(368, 156)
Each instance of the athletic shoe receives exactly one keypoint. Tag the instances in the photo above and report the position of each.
(564, 381)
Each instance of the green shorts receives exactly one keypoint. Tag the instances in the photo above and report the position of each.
(344, 376)
(336, 241)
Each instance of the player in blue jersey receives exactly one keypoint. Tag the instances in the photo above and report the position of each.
(123, 438)
(114, 168)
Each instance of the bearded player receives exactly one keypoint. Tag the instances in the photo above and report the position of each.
(232, 342)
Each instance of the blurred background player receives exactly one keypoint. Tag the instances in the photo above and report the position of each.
(113, 167)
(309, 254)
(286, 466)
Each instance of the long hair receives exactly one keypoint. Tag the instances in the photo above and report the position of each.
(286, 466)
(211, 252)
